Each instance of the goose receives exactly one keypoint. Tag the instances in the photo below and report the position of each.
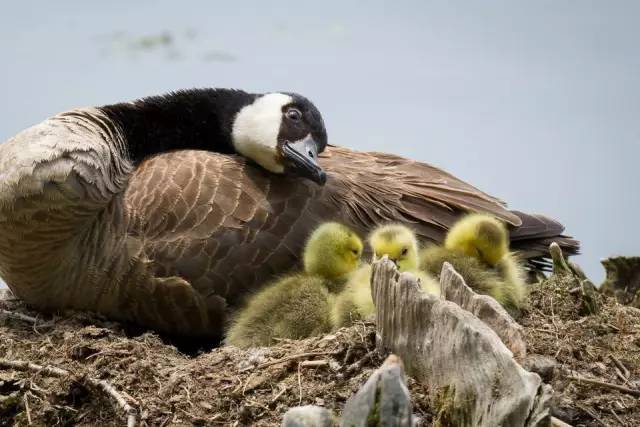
(477, 246)
(400, 244)
(299, 305)
(168, 211)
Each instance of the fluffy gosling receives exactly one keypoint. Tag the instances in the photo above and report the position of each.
(299, 305)
(477, 246)
(400, 244)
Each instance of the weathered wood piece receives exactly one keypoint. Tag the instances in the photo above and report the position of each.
(485, 308)
(623, 279)
(308, 416)
(382, 401)
(473, 374)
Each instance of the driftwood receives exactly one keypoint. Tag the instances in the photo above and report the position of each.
(623, 279)
(382, 401)
(473, 374)
(308, 416)
(485, 308)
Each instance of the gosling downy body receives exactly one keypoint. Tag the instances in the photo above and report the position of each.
(478, 248)
(168, 211)
(300, 305)
(400, 244)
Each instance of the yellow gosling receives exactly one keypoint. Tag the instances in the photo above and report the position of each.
(300, 305)
(477, 246)
(400, 245)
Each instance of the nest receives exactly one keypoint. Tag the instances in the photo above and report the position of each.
(80, 369)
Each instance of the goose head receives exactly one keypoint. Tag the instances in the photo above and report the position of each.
(480, 236)
(283, 133)
(398, 242)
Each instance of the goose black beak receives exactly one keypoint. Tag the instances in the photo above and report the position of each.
(301, 158)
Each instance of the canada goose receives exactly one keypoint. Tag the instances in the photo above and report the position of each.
(478, 248)
(177, 240)
(400, 244)
(299, 305)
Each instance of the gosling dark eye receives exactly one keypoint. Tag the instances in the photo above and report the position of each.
(404, 251)
(294, 114)
(355, 251)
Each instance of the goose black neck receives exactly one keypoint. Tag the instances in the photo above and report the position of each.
(200, 119)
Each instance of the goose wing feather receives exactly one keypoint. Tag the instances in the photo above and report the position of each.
(226, 226)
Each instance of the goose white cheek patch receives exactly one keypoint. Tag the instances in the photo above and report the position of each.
(256, 128)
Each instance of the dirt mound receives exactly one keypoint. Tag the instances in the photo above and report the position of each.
(256, 387)
(604, 347)
(223, 386)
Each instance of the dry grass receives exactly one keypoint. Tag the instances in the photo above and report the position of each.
(228, 386)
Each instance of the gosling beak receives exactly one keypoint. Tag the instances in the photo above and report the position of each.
(301, 158)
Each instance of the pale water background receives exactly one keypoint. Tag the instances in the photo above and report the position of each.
(536, 102)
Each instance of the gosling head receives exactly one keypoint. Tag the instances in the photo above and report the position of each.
(480, 236)
(332, 251)
(398, 242)
(283, 133)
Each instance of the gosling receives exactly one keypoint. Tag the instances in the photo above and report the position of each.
(398, 243)
(477, 246)
(299, 305)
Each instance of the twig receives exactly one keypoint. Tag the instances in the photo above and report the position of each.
(19, 316)
(357, 365)
(277, 396)
(287, 359)
(299, 385)
(314, 363)
(546, 331)
(620, 375)
(21, 365)
(616, 417)
(246, 383)
(26, 407)
(592, 415)
(620, 388)
(614, 328)
(623, 369)
(108, 388)
(555, 422)
(109, 353)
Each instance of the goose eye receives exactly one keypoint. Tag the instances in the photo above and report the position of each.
(404, 251)
(294, 114)
(355, 251)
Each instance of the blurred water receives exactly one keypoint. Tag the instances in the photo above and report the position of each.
(537, 103)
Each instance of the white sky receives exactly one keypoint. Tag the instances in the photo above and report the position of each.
(536, 102)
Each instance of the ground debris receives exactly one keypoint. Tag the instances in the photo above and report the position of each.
(602, 349)
(167, 387)
(256, 387)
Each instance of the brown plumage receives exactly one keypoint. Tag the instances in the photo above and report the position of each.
(177, 242)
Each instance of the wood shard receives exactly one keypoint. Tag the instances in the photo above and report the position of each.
(473, 375)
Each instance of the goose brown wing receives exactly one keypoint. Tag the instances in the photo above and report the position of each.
(380, 187)
(533, 237)
(226, 226)
(222, 224)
